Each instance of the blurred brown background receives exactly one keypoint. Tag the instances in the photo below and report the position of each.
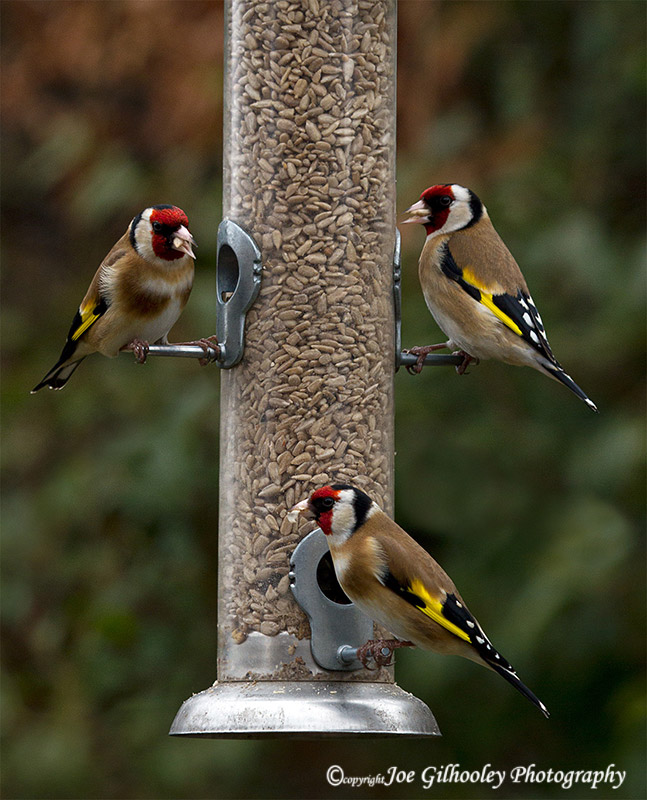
(533, 504)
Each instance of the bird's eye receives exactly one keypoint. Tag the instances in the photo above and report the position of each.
(327, 502)
(445, 200)
(157, 227)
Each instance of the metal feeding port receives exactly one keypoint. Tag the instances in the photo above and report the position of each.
(337, 626)
(238, 282)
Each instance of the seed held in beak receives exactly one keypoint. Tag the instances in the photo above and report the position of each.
(299, 508)
(183, 241)
(419, 213)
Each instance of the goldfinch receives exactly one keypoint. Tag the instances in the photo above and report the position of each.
(136, 295)
(398, 584)
(475, 290)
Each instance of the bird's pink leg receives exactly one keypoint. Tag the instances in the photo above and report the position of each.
(375, 648)
(139, 348)
(422, 353)
(467, 360)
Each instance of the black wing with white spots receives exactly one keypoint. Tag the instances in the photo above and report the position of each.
(523, 313)
(456, 613)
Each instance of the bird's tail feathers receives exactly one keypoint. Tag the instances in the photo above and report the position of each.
(58, 376)
(510, 675)
(490, 657)
(557, 372)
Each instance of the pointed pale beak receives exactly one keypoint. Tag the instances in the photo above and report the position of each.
(183, 241)
(419, 213)
(301, 508)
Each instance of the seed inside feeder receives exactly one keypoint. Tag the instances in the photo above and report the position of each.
(309, 171)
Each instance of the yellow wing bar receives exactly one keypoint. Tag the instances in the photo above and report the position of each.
(486, 299)
(434, 610)
(88, 318)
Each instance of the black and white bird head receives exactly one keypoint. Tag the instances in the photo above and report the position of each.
(339, 510)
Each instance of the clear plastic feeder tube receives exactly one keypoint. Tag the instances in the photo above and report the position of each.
(310, 172)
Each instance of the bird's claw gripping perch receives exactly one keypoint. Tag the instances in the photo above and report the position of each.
(211, 348)
(467, 360)
(380, 650)
(422, 353)
(140, 350)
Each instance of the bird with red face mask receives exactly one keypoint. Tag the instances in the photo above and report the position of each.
(475, 290)
(393, 580)
(136, 295)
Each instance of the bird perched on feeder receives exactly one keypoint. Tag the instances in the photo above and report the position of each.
(136, 295)
(393, 580)
(475, 290)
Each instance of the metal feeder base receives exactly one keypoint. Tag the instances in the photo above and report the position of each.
(303, 710)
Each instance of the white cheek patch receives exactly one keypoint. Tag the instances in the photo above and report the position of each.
(460, 215)
(343, 518)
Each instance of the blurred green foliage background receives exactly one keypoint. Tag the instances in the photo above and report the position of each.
(533, 504)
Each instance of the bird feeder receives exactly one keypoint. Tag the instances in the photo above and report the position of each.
(307, 252)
